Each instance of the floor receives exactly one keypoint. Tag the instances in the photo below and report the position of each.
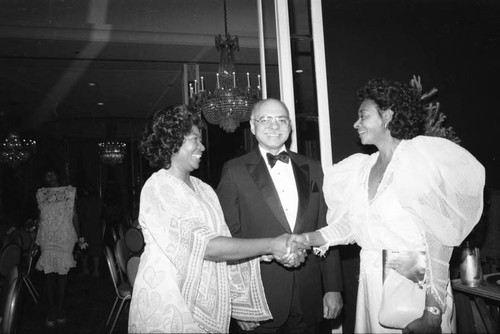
(88, 300)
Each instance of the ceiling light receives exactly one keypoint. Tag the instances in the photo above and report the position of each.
(228, 104)
(112, 151)
(15, 151)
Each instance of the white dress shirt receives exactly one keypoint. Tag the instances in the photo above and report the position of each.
(284, 182)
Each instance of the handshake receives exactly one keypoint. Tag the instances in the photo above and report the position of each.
(290, 250)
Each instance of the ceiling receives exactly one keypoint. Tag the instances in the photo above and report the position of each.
(74, 66)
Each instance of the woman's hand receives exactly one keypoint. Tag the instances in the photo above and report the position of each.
(427, 323)
(301, 239)
(82, 243)
(288, 252)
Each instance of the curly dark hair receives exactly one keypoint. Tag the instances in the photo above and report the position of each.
(409, 117)
(165, 132)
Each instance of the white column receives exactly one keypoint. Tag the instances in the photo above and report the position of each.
(262, 51)
(285, 63)
(321, 84)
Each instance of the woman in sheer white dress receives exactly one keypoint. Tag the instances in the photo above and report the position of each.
(416, 193)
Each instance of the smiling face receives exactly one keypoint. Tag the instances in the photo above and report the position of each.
(274, 134)
(187, 159)
(370, 124)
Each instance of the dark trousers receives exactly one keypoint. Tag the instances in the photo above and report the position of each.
(294, 324)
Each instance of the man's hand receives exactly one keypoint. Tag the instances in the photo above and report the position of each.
(288, 252)
(291, 260)
(247, 325)
(332, 305)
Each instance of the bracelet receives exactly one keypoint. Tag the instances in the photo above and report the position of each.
(434, 310)
(308, 240)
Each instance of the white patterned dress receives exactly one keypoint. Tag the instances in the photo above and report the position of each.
(176, 290)
(430, 198)
(56, 234)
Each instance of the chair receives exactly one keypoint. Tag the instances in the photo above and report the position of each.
(22, 238)
(122, 254)
(122, 289)
(29, 250)
(110, 233)
(30, 262)
(134, 239)
(132, 268)
(10, 256)
(9, 301)
(121, 231)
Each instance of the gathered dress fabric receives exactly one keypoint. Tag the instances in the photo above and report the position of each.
(56, 234)
(176, 290)
(429, 199)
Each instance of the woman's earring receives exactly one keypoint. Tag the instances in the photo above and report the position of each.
(385, 125)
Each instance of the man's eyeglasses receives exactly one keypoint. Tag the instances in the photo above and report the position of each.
(267, 120)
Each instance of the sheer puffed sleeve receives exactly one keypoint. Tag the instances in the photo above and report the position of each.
(339, 187)
(449, 182)
(441, 185)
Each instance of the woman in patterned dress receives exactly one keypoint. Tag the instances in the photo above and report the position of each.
(192, 275)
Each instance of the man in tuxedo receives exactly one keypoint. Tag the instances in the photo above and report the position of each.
(266, 193)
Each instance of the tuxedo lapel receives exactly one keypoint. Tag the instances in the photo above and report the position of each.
(301, 172)
(259, 173)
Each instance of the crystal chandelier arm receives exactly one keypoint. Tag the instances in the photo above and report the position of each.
(228, 104)
(225, 18)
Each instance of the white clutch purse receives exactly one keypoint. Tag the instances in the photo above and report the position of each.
(403, 296)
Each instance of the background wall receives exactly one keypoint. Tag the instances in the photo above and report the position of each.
(453, 45)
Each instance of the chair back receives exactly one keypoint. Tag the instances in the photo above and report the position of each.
(110, 259)
(32, 254)
(9, 300)
(121, 230)
(22, 238)
(110, 234)
(122, 254)
(134, 239)
(132, 268)
(10, 256)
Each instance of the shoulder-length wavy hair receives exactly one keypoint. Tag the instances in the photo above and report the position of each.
(408, 119)
(165, 132)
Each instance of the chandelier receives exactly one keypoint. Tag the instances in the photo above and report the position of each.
(228, 104)
(112, 152)
(15, 150)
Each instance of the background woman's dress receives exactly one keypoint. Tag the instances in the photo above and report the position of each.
(56, 233)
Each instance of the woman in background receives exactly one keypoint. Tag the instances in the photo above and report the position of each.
(57, 235)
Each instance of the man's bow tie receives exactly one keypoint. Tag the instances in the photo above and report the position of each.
(271, 159)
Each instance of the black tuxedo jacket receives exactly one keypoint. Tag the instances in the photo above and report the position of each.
(252, 209)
